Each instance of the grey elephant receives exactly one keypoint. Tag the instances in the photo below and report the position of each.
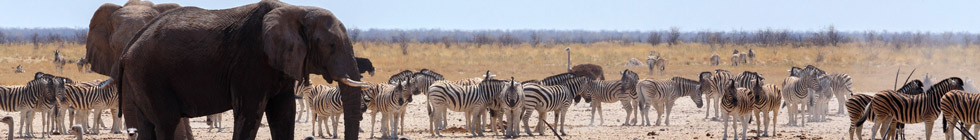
(111, 28)
(192, 62)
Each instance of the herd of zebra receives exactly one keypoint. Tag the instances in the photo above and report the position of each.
(508, 103)
(55, 97)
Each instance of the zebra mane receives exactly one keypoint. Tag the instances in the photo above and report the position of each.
(912, 88)
(795, 71)
(433, 74)
(721, 70)
(948, 84)
(400, 76)
(810, 68)
(531, 81)
(425, 75)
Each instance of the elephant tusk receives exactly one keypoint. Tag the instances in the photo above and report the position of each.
(353, 83)
(105, 83)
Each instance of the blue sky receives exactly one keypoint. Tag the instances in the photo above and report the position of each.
(847, 15)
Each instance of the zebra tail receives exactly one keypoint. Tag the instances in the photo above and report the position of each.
(864, 116)
(944, 124)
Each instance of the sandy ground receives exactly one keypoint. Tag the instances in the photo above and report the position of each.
(687, 122)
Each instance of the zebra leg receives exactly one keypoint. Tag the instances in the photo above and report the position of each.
(117, 122)
(775, 114)
(602, 120)
(629, 111)
(707, 109)
(541, 119)
(758, 124)
(384, 125)
(745, 125)
(660, 111)
(592, 120)
(469, 122)
(645, 108)
(373, 114)
(670, 104)
(929, 125)
(563, 114)
(401, 121)
(725, 129)
(336, 120)
(524, 118)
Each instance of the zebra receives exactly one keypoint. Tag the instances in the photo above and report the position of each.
(960, 106)
(714, 59)
(390, 101)
(400, 76)
(38, 94)
(82, 63)
(473, 100)
(742, 58)
(855, 106)
(767, 99)
(736, 59)
(609, 92)
(299, 88)
(85, 99)
(746, 79)
(511, 102)
(819, 99)
(840, 84)
(751, 56)
(891, 106)
(553, 94)
(719, 81)
(739, 104)
(324, 102)
(663, 93)
(656, 62)
(796, 92)
(59, 61)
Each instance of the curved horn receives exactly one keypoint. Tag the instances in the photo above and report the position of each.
(353, 83)
(910, 76)
(895, 86)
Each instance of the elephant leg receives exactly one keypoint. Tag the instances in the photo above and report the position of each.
(183, 130)
(281, 110)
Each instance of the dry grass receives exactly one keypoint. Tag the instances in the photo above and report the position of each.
(868, 65)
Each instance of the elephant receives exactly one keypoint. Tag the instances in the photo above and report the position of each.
(111, 28)
(192, 62)
(364, 65)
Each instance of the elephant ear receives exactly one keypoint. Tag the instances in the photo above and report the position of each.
(284, 43)
(100, 31)
(164, 7)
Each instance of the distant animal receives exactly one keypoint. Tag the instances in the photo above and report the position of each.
(81, 64)
(715, 59)
(656, 62)
(736, 59)
(734, 51)
(59, 61)
(589, 70)
(743, 58)
(663, 93)
(19, 69)
(751, 56)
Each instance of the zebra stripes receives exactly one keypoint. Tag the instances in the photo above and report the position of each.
(38, 95)
(891, 106)
(959, 106)
(796, 90)
(401, 76)
(856, 103)
(767, 102)
(719, 81)
(607, 92)
(663, 93)
(473, 100)
(737, 103)
(390, 101)
(840, 84)
(557, 97)
(324, 102)
(85, 99)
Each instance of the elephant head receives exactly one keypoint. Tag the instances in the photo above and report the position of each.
(302, 40)
(112, 28)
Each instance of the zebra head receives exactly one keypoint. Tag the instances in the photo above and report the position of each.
(400, 76)
(513, 92)
(420, 82)
(795, 71)
(757, 91)
(401, 91)
(629, 80)
(729, 93)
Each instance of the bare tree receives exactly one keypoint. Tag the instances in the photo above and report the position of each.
(673, 37)
(402, 39)
(481, 39)
(448, 41)
(655, 38)
(535, 39)
(833, 36)
(2, 37)
(967, 39)
(36, 39)
(354, 34)
(507, 39)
